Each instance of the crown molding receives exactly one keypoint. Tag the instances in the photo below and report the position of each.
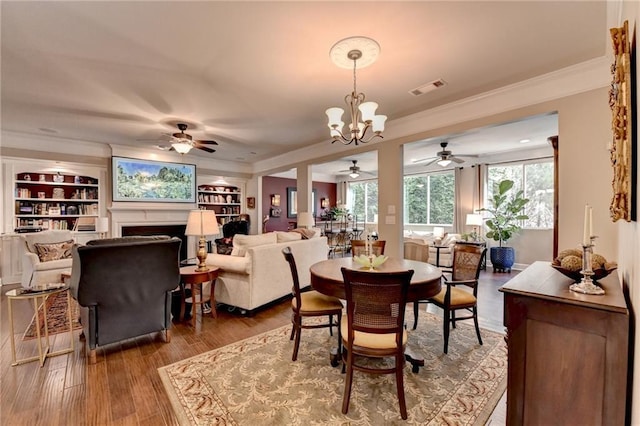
(579, 78)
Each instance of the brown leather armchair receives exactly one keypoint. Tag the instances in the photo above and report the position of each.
(123, 286)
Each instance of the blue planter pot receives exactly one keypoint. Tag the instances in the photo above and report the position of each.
(502, 258)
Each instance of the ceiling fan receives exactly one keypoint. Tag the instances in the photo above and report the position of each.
(444, 157)
(354, 170)
(183, 142)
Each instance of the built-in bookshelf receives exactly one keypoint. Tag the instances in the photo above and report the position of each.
(224, 200)
(54, 201)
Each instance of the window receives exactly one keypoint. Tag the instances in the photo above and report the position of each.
(363, 199)
(429, 199)
(535, 178)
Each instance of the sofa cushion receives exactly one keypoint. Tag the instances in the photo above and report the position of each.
(242, 242)
(284, 237)
(54, 251)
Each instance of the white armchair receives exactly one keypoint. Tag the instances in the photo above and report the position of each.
(442, 254)
(46, 255)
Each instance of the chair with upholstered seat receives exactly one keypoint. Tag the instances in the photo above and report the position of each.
(416, 251)
(467, 260)
(359, 247)
(375, 325)
(310, 304)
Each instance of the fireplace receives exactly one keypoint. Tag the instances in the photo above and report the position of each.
(170, 230)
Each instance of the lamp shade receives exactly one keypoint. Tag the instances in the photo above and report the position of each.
(202, 222)
(102, 224)
(368, 111)
(444, 162)
(305, 220)
(474, 219)
(181, 147)
(438, 231)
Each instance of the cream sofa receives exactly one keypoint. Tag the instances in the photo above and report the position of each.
(256, 272)
(52, 245)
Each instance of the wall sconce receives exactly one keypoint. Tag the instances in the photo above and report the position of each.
(324, 203)
(275, 200)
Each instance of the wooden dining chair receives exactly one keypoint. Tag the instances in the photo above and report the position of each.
(359, 247)
(375, 325)
(310, 304)
(467, 260)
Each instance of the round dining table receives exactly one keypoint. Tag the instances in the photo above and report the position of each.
(326, 278)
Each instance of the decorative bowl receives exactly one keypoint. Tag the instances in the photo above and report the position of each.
(363, 260)
(577, 276)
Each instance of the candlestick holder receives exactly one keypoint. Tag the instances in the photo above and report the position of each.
(586, 285)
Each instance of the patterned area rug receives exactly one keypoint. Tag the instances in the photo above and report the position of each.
(255, 382)
(57, 318)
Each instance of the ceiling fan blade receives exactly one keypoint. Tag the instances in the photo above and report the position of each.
(456, 159)
(422, 160)
(207, 142)
(432, 161)
(204, 148)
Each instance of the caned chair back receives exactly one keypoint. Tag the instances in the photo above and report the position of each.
(359, 247)
(376, 301)
(467, 260)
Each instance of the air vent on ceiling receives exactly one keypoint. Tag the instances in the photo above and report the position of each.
(435, 84)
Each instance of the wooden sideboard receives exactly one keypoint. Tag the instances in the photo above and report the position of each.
(568, 352)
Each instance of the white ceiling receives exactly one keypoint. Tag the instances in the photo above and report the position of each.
(256, 76)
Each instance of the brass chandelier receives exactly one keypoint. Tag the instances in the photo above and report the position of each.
(362, 51)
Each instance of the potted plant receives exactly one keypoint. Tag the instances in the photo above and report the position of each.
(506, 213)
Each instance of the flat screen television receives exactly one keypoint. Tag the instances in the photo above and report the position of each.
(152, 181)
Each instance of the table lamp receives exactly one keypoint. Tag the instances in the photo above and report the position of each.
(305, 220)
(474, 220)
(202, 223)
(438, 233)
(102, 226)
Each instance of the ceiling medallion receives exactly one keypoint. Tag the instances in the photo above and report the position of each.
(356, 52)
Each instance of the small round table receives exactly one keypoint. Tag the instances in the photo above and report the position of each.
(39, 297)
(195, 279)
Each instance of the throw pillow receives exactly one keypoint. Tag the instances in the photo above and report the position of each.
(285, 237)
(242, 242)
(224, 245)
(54, 251)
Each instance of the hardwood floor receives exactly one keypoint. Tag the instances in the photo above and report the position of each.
(123, 387)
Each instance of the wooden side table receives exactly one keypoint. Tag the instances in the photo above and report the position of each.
(195, 280)
(39, 298)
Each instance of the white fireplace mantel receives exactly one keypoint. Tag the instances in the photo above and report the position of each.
(140, 214)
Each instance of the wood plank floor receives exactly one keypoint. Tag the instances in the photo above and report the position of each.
(123, 387)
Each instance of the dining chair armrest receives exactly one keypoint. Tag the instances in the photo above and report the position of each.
(470, 283)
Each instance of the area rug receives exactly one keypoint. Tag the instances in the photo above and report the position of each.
(57, 317)
(254, 382)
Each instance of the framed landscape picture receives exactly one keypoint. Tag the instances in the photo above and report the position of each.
(152, 181)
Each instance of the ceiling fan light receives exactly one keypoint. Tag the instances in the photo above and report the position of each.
(444, 162)
(354, 175)
(181, 147)
(378, 123)
(368, 111)
(335, 116)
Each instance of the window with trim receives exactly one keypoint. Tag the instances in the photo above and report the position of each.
(535, 178)
(363, 200)
(429, 199)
